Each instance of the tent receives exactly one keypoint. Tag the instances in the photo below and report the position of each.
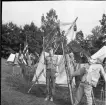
(16, 58)
(61, 78)
(13, 61)
(13, 58)
(101, 54)
(63, 72)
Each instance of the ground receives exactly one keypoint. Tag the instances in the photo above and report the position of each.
(14, 91)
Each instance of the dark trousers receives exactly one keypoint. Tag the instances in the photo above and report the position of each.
(77, 78)
(50, 81)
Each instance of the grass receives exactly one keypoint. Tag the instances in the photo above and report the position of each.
(14, 91)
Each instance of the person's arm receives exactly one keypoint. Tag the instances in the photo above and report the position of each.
(103, 73)
(81, 71)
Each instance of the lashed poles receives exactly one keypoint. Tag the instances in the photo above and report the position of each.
(41, 71)
(67, 72)
(71, 26)
(66, 63)
(55, 51)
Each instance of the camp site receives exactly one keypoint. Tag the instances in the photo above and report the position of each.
(53, 53)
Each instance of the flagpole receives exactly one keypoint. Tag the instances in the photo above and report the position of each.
(18, 58)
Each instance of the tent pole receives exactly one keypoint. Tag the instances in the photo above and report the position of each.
(66, 68)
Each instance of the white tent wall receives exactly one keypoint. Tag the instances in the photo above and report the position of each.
(11, 58)
(101, 54)
(61, 73)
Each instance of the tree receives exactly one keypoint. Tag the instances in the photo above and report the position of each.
(13, 36)
(34, 37)
(10, 38)
(50, 26)
(103, 24)
(96, 31)
(98, 38)
(80, 36)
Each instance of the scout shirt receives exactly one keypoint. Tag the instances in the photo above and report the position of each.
(51, 62)
(93, 74)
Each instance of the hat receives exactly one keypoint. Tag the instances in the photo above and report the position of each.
(95, 60)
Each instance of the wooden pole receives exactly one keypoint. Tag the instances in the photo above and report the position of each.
(67, 73)
(41, 71)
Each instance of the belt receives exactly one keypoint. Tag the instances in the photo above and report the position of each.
(85, 82)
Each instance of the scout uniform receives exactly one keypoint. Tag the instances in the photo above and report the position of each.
(89, 80)
(50, 75)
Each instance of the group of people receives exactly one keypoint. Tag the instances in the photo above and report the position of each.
(90, 77)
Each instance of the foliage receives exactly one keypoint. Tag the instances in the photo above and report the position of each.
(50, 27)
(33, 36)
(79, 36)
(10, 38)
(103, 24)
(98, 37)
(13, 36)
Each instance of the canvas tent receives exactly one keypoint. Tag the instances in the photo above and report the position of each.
(61, 78)
(13, 58)
(61, 70)
(16, 58)
(101, 54)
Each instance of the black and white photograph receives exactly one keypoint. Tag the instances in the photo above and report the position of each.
(53, 53)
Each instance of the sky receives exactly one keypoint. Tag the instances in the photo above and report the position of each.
(88, 12)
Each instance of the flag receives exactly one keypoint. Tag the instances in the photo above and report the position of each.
(26, 54)
(37, 54)
(20, 57)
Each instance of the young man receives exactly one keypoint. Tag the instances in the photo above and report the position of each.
(89, 80)
(51, 65)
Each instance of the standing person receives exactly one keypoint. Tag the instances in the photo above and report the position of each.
(89, 80)
(51, 65)
(80, 54)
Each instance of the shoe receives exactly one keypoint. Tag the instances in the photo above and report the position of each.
(47, 98)
(51, 99)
